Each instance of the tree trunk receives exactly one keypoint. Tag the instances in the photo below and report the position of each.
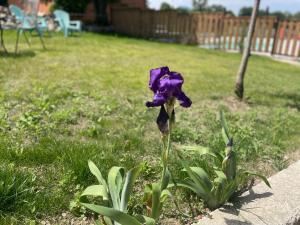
(100, 8)
(239, 85)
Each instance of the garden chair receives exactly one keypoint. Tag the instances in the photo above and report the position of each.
(65, 24)
(28, 22)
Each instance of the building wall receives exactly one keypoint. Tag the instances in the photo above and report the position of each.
(141, 4)
(43, 7)
(89, 15)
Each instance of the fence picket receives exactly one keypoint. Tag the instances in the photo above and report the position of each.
(211, 29)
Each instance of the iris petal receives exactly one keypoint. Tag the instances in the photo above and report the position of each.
(175, 75)
(155, 75)
(166, 84)
(169, 85)
(184, 101)
(158, 100)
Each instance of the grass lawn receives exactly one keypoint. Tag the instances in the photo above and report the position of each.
(84, 98)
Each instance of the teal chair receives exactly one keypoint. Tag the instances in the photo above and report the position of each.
(27, 23)
(65, 24)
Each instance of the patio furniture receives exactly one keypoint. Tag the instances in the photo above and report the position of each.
(27, 22)
(2, 20)
(7, 22)
(65, 24)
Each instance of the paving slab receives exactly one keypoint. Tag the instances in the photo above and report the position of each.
(261, 205)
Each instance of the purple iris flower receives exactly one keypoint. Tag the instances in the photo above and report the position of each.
(166, 85)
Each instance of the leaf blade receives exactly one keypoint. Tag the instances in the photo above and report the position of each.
(113, 214)
(130, 179)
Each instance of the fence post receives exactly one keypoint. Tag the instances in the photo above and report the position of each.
(275, 38)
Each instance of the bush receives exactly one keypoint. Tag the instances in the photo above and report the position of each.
(78, 6)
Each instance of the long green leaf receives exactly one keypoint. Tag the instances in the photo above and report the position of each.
(114, 180)
(97, 222)
(145, 220)
(199, 177)
(130, 179)
(201, 150)
(203, 176)
(113, 214)
(95, 190)
(225, 131)
(164, 195)
(196, 178)
(220, 185)
(94, 170)
(264, 179)
(193, 187)
(165, 179)
(156, 204)
(108, 221)
(229, 164)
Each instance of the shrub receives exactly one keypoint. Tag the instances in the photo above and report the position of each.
(227, 178)
(78, 6)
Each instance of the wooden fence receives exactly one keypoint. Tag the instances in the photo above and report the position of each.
(210, 30)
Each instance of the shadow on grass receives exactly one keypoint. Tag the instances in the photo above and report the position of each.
(292, 99)
(21, 54)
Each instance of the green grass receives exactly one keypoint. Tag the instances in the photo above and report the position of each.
(83, 98)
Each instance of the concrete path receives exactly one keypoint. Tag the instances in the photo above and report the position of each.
(262, 205)
(290, 60)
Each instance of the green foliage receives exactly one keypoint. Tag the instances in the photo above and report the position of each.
(115, 194)
(226, 179)
(15, 187)
(199, 5)
(165, 6)
(77, 6)
(155, 195)
(246, 11)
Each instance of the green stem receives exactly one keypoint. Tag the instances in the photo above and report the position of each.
(167, 145)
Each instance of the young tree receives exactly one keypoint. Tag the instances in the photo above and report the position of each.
(297, 15)
(199, 5)
(239, 85)
(165, 6)
(182, 9)
(245, 11)
(216, 8)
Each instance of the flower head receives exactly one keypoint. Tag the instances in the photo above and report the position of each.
(165, 86)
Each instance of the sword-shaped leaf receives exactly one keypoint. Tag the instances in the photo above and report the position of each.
(130, 179)
(156, 204)
(96, 172)
(115, 215)
(95, 190)
(264, 179)
(225, 131)
(114, 183)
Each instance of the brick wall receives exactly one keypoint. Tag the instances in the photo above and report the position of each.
(141, 4)
(43, 7)
(89, 15)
